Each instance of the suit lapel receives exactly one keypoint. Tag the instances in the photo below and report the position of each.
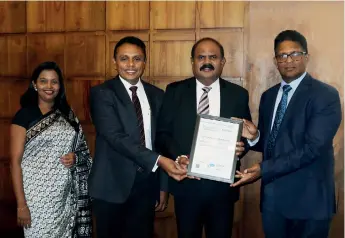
(153, 106)
(226, 98)
(300, 94)
(189, 107)
(271, 101)
(117, 86)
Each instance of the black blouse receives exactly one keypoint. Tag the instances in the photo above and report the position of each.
(26, 116)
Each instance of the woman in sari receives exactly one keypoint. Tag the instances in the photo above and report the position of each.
(50, 161)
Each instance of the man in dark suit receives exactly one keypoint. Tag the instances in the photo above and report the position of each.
(298, 119)
(122, 181)
(201, 202)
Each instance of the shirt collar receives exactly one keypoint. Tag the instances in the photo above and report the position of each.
(127, 85)
(294, 84)
(214, 85)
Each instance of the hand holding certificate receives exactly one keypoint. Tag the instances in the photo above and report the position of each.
(213, 154)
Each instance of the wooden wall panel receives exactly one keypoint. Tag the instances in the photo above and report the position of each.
(45, 47)
(77, 91)
(172, 58)
(173, 15)
(6, 182)
(12, 17)
(13, 55)
(128, 15)
(85, 54)
(85, 16)
(215, 14)
(10, 92)
(232, 41)
(4, 142)
(45, 16)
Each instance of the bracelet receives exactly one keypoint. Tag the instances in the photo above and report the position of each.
(177, 160)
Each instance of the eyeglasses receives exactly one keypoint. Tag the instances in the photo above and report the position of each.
(295, 56)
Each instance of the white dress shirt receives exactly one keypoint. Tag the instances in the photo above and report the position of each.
(145, 109)
(213, 97)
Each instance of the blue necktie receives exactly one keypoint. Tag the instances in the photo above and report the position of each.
(278, 120)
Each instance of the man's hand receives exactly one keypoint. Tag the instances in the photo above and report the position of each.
(173, 169)
(162, 204)
(239, 148)
(249, 130)
(183, 161)
(248, 176)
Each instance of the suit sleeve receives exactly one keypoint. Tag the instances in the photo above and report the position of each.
(321, 129)
(248, 117)
(163, 176)
(259, 145)
(106, 119)
(164, 140)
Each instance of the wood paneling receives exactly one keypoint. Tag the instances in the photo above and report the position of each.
(172, 58)
(10, 91)
(173, 15)
(85, 16)
(45, 16)
(129, 15)
(216, 14)
(85, 54)
(45, 47)
(13, 55)
(12, 17)
(77, 91)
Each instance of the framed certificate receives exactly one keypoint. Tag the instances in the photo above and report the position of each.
(213, 153)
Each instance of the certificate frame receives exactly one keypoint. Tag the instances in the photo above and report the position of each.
(233, 157)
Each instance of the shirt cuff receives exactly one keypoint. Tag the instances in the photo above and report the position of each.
(156, 166)
(253, 142)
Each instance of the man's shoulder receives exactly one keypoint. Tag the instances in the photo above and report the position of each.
(321, 87)
(103, 86)
(233, 86)
(181, 83)
(153, 88)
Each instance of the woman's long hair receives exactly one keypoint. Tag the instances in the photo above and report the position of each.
(30, 97)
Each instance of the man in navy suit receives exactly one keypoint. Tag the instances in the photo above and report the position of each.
(298, 119)
(123, 178)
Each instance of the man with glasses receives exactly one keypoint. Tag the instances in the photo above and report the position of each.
(298, 119)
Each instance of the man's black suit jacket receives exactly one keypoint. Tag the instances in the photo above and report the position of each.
(118, 151)
(176, 125)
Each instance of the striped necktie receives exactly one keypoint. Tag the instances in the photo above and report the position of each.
(139, 113)
(204, 107)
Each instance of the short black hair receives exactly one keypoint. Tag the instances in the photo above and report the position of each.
(207, 39)
(291, 35)
(131, 40)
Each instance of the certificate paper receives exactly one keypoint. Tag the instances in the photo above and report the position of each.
(213, 154)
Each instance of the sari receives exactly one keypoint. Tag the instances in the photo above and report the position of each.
(57, 196)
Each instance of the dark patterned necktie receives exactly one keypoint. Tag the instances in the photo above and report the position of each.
(139, 113)
(278, 120)
(204, 107)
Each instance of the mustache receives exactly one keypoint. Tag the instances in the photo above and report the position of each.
(207, 66)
